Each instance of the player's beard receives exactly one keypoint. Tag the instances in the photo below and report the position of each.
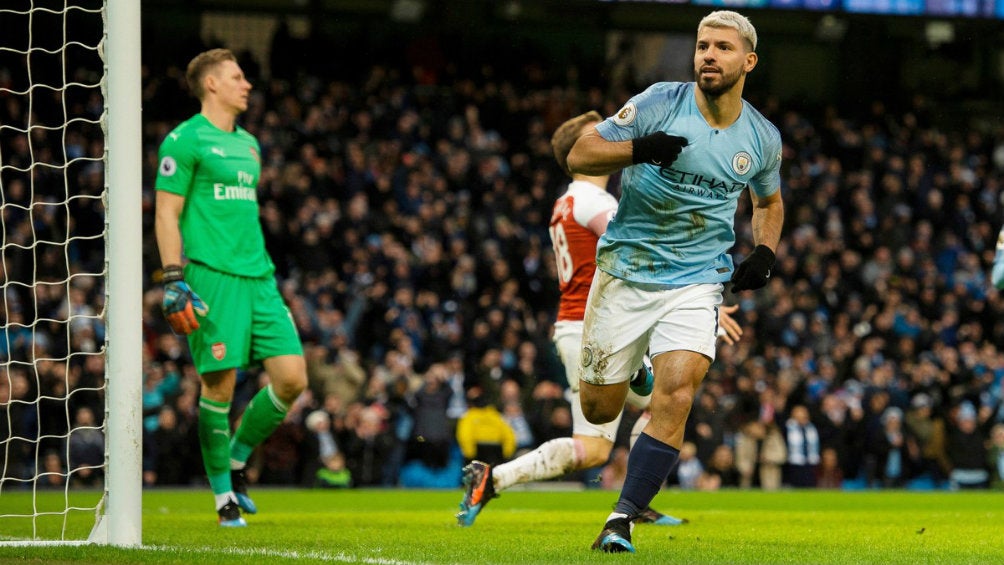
(724, 85)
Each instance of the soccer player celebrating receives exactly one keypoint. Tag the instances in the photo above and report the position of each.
(225, 298)
(688, 151)
(578, 219)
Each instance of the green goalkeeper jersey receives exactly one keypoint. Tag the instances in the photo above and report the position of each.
(217, 172)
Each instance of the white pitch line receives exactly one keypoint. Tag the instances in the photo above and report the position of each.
(340, 557)
(41, 543)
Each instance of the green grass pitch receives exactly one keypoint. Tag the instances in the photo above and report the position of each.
(415, 527)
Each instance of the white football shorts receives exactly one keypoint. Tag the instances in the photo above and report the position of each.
(568, 341)
(624, 320)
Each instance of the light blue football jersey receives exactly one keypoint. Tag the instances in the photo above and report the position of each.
(675, 225)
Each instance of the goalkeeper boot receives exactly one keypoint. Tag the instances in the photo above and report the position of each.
(615, 537)
(479, 490)
(230, 516)
(643, 380)
(239, 482)
(653, 516)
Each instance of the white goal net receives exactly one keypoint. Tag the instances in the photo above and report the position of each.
(65, 423)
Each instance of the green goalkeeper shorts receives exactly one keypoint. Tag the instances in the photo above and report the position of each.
(248, 321)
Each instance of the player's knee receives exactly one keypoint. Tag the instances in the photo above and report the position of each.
(674, 401)
(288, 387)
(683, 396)
(297, 385)
(300, 382)
(597, 413)
(288, 374)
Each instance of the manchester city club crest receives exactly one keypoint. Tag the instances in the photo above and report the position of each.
(741, 163)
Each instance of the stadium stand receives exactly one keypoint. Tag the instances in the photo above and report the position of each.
(405, 206)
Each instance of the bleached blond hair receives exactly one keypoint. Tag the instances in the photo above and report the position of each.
(734, 20)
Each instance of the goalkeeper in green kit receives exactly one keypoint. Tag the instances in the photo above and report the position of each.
(225, 298)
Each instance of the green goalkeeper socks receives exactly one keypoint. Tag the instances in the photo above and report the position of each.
(263, 415)
(214, 439)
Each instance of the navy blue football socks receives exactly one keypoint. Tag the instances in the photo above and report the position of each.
(649, 464)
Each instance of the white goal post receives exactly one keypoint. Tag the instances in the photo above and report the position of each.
(122, 522)
(62, 121)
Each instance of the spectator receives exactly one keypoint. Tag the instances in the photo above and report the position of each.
(482, 433)
(53, 471)
(433, 435)
(48, 415)
(87, 450)
(888, 461)
(513, 415)
(368, 448)
(689, 469)
(760, 454)
(546, 400)
(455, 381)
(159, 386)
(829, 474)
(343, 376)
(324, 462)
(995, 457)
(834, 426)
(706, 425)
(803, 449)
(18, 433)
(720, 471)
(967, 451)
(929, 433)
(173, 446)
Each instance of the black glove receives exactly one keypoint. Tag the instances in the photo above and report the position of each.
(754, 271)
(659, 149)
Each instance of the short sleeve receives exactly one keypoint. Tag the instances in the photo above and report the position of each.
(177, 160)
(640, 116)
(768, 180)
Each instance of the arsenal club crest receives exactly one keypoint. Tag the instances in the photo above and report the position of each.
(219, 351)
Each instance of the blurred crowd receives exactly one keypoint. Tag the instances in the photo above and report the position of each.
(406, 210)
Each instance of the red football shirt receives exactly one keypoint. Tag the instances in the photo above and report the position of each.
(583, 206)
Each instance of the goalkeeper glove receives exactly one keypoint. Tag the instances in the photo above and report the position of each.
(181, 304)
(754, 271)
(659, 149)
